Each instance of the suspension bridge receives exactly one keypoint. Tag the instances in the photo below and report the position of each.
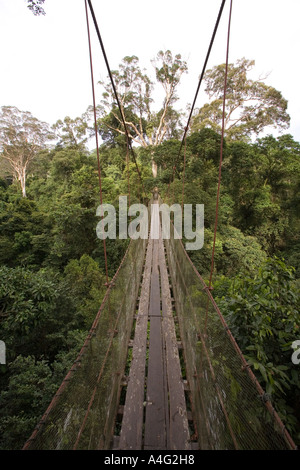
(159, 369)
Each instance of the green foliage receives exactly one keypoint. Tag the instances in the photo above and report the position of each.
(251, 105)
(71, 131)
(26, 298)
(52, 271)
(87, 285)
(23, 233)
(135, 89)
(22, 137)
(262, 180)
(29, 390)
(239, 252)
(262, 312)
(35, 308)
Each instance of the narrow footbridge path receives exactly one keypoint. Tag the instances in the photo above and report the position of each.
(155, 413)
(159, 369)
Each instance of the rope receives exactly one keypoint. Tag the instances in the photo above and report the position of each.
(203, 71)
(221, 149)
(115, 91)
(128, 178)
(201, 78)
(184, 158)
(96, 135)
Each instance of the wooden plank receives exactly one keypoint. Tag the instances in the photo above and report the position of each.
(155, 419)
(133, 418)
(154, 306)
(166, 422)
(156, 405)
(179, 438)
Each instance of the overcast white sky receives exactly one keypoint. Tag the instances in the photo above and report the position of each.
(45, 61)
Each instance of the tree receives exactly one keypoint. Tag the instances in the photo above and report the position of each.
(28, 392)
(22, 136)
(251, 105)
(262, 179)
(87, 286)
(35, 7)
(262, 312)
(145, 126)
(24, 235)
(71, 131)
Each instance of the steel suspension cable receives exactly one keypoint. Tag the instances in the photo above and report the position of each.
(221, 148)
(202, 75)
(114, 89)
(203, 71)
(183, 176)
(128, 175)
(96, 136)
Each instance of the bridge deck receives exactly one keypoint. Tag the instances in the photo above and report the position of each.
(155, 413)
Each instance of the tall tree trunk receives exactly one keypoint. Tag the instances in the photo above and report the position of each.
(22, 179)
(154, 169)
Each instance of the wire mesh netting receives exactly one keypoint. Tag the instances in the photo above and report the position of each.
(82, 413)
(231, 409)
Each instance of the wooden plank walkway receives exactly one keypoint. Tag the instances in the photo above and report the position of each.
(155, 415)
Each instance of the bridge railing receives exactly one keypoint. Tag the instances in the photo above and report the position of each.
(231, 409)
(82, 413)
